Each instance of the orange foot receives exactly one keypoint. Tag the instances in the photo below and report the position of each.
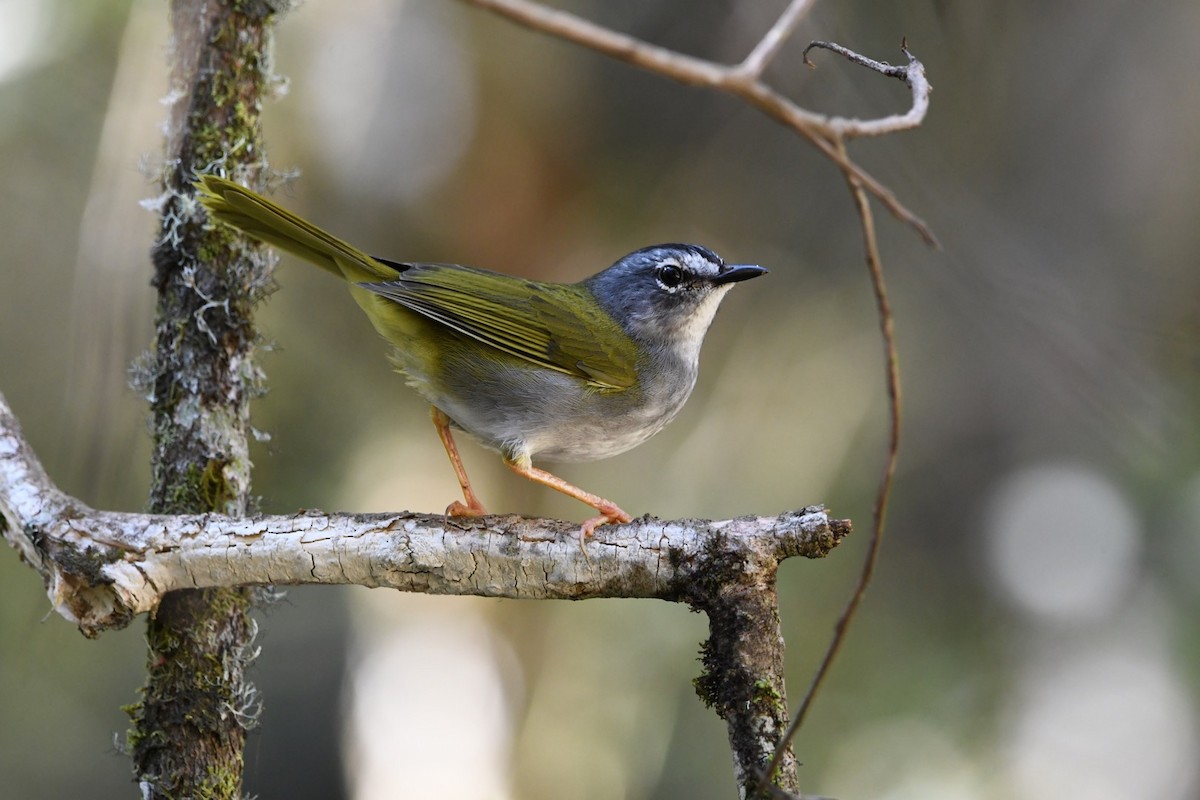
(608, 513)
(471, 508)
(461, 509)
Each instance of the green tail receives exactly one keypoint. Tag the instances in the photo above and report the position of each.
(258, 217)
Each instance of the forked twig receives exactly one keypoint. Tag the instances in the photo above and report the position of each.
(765, 51)
(742, 80)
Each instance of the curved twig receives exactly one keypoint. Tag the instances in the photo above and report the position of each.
(913, 75)
(884, 490)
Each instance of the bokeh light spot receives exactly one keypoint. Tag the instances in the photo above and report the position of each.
(1063, 542)
(904, 758)
(392, 98)
(1108, 722)
(428, 698)
(23, 26)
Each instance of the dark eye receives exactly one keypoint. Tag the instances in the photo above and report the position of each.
(670, 276)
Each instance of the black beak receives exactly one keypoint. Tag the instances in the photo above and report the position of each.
(738, 272)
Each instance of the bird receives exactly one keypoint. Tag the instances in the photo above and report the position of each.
(531, 369)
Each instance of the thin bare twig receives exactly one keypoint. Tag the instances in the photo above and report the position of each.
(883, 493)
(766, 50)
(820, 129)
(569, 27)
(913, 75)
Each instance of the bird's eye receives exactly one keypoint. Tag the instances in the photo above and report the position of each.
(670, 276)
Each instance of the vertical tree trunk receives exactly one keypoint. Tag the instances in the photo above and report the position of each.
(189, 727)
(743, 667)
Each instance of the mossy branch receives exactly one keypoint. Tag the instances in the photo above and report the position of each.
(189, 727)
(101, 568)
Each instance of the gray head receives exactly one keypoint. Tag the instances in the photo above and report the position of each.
(665, 296)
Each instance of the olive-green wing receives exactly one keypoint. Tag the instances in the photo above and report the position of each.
(555, 326)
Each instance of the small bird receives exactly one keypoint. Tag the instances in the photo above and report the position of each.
(565, 372)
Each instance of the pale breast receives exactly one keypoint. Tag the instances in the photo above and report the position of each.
(548, 415)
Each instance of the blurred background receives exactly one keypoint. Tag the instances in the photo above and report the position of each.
(1033, 629)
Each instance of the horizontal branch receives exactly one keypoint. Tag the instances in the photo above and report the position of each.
(102, 567)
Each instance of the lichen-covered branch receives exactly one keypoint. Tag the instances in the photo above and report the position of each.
(189, 726)
(101, 568)
(743, 667)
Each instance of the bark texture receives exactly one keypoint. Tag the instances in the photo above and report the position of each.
(189, 727)
(102, 567)
(743, 661)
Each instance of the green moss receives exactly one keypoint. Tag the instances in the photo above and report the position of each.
(705, 684)
(767, 698)
(188, 726)
(220, 784)
(199, 646)
(215, 490)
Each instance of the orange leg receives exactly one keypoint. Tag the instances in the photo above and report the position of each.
(609, 511)
(472, 508)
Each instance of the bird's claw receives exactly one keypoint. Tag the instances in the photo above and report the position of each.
(460, 509)
(609, 513)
